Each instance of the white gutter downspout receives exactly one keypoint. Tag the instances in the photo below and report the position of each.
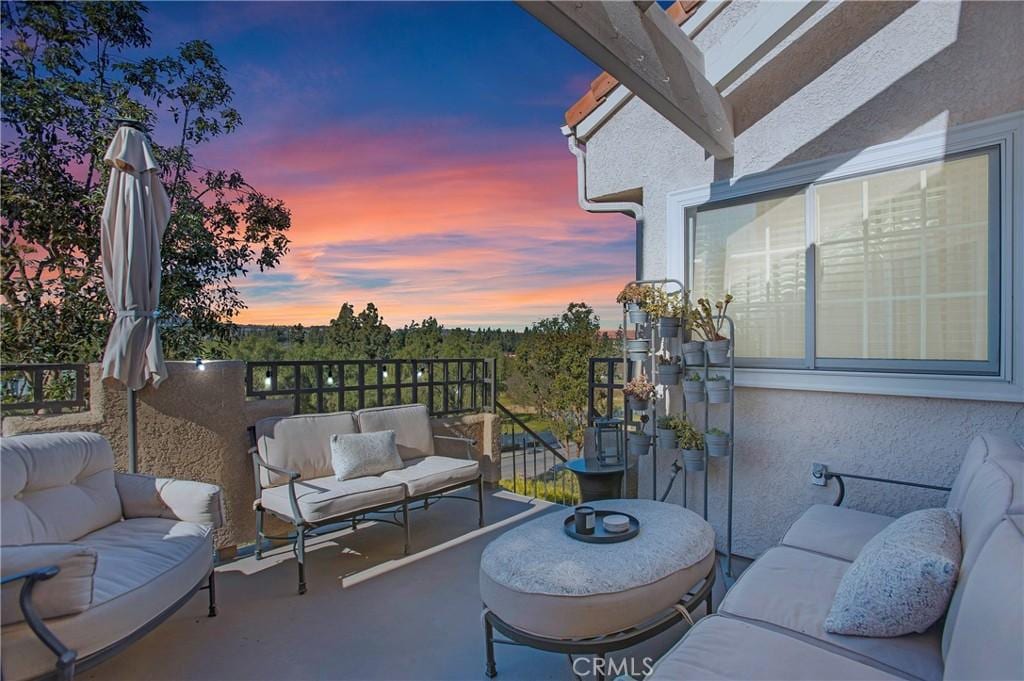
(635, 210)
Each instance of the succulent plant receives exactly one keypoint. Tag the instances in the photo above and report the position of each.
(633, 293)
(688, 436)
(693, 377)
(639, 388)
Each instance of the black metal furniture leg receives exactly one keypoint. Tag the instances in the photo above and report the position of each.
(300, 554)
(259, 533)
(405, 527)
(492, 669)
(212, 587)
(480, 499)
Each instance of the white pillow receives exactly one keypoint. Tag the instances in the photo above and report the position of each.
(903, 578)
(356, 455)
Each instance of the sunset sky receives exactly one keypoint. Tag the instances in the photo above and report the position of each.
(418, 148)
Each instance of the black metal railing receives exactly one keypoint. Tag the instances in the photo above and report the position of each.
(43, 388)
(604, 388)
(446, 386)
(533, 464)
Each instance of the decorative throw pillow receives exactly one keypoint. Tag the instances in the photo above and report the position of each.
(903, 578)
(356, 455)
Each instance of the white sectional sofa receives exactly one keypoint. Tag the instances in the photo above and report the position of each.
(295, 479)
(771, 623)
(96, 558)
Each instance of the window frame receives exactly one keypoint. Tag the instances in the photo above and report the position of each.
(1000, 377)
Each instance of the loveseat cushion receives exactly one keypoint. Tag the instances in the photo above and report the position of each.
(725, 648)
(981, 448)
(834, 531)
(794, 589)
(300, 443)
(326, 497)
(56, 487)
(990, 621)
(411, 424)
(143, 567)
(432, 473)
(147, 496)
(69, 592)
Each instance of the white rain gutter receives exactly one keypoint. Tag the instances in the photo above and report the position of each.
(634, 210)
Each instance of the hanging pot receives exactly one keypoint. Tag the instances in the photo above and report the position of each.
(667, 374)
(638, 444)
(638, 345)
(693, 460)
(693, 391)
(693, 353)
(667, 439)
(637, 405)
(717, 445)
(718, 391)
(636, 314)
(718, 351)
(668, 327)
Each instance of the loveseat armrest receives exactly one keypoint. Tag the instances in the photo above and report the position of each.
(258, 462)
(469, 442)
(147, 496)
(31, 577)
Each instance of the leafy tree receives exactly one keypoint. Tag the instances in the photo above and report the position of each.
(359, 336)
(551, 366)
(66, 78)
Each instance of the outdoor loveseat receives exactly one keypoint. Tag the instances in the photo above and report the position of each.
(295, 480)
(93, 559)
(771, 623)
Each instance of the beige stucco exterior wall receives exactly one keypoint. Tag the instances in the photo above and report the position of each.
(194, 427)
(856, 74)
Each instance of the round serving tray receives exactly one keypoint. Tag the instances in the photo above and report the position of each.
(600, 535)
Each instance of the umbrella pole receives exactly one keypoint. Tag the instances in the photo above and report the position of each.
(133, 434)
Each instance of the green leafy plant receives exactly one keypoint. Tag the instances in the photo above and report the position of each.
(661, 303)
(688, 436)
(640, 388)
(718, 432)
(707, 323)
(634, 293)
(693, 377)
(669, 422)
(716, 378)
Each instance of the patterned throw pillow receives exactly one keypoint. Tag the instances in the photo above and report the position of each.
(903, 578)
(356, 455)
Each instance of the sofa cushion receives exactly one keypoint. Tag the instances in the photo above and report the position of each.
(300, 443)
(143, 567)
(794, 589)
(56, 487)
(834, 531)
(69, 592)
(411, 424)
(902, 580)
(326, 497)
(433, 473)
(725, 648)
(147, 496)
(990, 621)
(356, 455)
(981, 448)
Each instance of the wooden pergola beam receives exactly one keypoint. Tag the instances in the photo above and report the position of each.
(637, 43)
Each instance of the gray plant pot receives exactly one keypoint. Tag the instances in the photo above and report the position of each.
(693, 353)
(717, 445)
(693, 391)
(668, 327)
(635, 314)
(668, 374)
(638, 405)
(638, 346)
(718, 351)
(693, 459)
(667, 439)
(638, 444)
(718, 391)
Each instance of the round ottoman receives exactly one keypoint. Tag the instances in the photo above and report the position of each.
(543, 583)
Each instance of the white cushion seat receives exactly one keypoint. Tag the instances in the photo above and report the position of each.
(143, 567)
(835, 531)
(794, 589)
(325, 497)
(431, 473)
(709, 651)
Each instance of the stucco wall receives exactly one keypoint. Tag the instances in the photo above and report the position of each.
(194, 427)
(856, 74)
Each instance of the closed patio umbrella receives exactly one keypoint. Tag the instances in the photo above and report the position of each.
(135, 215)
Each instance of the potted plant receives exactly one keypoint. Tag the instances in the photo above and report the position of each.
(693, 387)
(634, 296)
(666, 432)
(668, 369)
(639, 392)
(638, 348)
(717, 442)
(668, 309)
(693, 353)
(708, 324)
(638, 443)
(692, 444)
(718, 389)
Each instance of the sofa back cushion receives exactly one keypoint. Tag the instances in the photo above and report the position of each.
(981, 448)
(411, 424)
(996, 490)
(989, 625)
(300, 443)
(56, 487)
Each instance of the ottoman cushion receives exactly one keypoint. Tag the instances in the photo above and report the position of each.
(539, 580)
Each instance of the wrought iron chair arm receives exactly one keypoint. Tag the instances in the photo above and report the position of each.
(292, 477)
(65, 656)
(469, 442)
(821, 475)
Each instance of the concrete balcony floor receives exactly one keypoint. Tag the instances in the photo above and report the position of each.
(370, 612)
